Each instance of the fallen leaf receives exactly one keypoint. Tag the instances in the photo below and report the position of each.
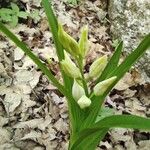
(11, 102)
(33, 135)
(5, 136)
(18, 54)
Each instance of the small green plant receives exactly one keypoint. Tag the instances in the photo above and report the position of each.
(35, 15)
(11, 15)
(89, 119)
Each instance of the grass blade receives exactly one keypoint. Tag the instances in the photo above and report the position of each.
(35, 59)
(119, 121)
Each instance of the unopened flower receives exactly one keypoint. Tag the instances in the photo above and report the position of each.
(77, 91)
(101, 87)
(69, 44)
(84, 102)
(97, 67)
(69, 67)
(83, 42)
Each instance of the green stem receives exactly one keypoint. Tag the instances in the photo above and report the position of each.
(80, 65)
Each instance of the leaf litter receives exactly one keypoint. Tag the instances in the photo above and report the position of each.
(33, 114)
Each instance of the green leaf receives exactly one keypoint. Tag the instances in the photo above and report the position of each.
(15, 8)
(6, 11)
(91, 141)
(35, 59)
(14, 20)
(119, 121)
(75, 113)
(119, 72)
(131, 58)
(23, 14)
(35, 16)
(112, 64)
(105, 112)
(124, 121)
(53, 25)
(6, 15)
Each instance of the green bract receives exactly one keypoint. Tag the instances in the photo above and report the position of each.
(97, 67)
(70, 68)
(83, 42)
(87, 129)
(102, 86)
(69, 44)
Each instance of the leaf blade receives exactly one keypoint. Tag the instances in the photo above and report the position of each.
(35, 59)
(119, 121)
(75, 113)
(119, 72)
(113, 62)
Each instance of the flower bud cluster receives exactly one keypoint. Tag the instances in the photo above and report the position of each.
(79, 50)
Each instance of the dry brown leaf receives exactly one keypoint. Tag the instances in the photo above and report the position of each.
(3, 121)
(18, 54)
(29, 124)
(33, 135)
(144, 145)
(11, 102)
(8, 146)
(61, 125)
(119, 135)
(5, 136)
(125, 82)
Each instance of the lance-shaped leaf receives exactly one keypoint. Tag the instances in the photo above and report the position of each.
(119, 72)
(53, 25)
(35, 59)
(75, 114)
(112, 63)
(119, 121)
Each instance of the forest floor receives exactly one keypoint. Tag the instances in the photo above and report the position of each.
(33, 114)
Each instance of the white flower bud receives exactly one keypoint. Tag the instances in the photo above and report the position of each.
(77, 91)
(84, 102)
(83, 42)
(69, 44)
(101, 87)
(97, 67)
(70, 68)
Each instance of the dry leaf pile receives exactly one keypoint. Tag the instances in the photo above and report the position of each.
(33, 114)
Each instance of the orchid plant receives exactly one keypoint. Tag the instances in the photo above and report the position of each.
(88, 125)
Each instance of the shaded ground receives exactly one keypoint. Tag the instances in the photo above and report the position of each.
(33, 114)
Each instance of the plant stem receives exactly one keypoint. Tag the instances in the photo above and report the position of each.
(80, 65)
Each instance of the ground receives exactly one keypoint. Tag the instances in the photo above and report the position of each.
(33, 114)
